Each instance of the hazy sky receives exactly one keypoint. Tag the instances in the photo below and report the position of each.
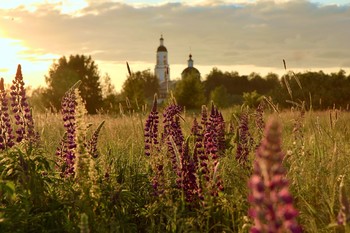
(233, 35)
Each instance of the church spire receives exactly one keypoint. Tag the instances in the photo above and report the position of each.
(161, 40)
(190, 61)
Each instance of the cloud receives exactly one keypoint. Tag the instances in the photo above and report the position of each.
(261, 33)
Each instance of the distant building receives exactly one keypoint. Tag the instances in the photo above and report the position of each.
(190, 70)
(162, 69)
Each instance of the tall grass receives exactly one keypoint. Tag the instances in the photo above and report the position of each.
(207, 160)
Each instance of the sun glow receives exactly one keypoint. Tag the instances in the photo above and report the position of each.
(9, 56)
(13, 52)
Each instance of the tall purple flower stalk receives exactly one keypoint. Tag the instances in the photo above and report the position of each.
(244, 141)
(152, 148)
(214, 145)
(151, 129)
(6, 135)
(172, 134)
(187, 180)
(272, 207)
(201, 147)
(217, 125)
(91, 144)
(212, 138)
(22, 112)
(199, 157)
(66, 150)
(259, 116)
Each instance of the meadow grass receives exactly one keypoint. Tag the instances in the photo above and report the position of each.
(316, 147)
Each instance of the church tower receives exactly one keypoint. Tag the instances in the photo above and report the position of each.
(162, 70)
(190, 70)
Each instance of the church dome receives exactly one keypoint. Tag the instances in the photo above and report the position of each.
(190, 70)
(162, 48)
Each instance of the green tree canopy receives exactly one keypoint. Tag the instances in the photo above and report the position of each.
(189, 92)
(65, 72)
(221, 97)
(140, 87)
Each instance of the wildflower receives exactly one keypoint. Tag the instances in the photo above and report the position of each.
(244, 141)
(20, 107)
(152, 148)
(151, 128)
(6, 135)
(271, 202)
(259, 116)
(214, 146)
(92, 142)
(66, 150)
(187, 179)
(172, 134)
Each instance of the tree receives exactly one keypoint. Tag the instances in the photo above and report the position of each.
(140, 87)
(221, 97)
(189, 92)
(64, 73)
(111, 98)
(251, 99)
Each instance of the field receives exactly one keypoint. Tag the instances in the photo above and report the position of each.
(116, 192)
(169, 170)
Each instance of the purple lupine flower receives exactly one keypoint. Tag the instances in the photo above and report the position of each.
(217, 124)
(172, 134)
(92, 142)
(213, 148)
(187, 179)
(244, 140)
(259, 116)
(200, 142)
(6, 135)
(151, 129)
(20, 107)
(271, 202)
(210, 147)
(204, 119)
(198, 152)
(196, 131)
(152, 148)
(66, 150)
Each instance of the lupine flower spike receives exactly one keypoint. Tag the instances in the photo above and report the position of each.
(151, 129)
(21, 110)
(242, 152)
(271, 202)
(66, 150)
(187, 180)
(92, 142)
(172, 134)
(259, 116)
(6, 135)
(152, 148)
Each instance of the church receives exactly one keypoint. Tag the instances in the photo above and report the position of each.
(162, 70)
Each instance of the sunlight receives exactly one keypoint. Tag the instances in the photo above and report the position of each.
(13, 52)
(9, 50)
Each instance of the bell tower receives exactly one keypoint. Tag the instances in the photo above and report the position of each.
(162, 70)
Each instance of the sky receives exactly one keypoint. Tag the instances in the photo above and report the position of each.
(233, 35)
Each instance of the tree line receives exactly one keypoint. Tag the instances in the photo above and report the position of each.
(316, 90)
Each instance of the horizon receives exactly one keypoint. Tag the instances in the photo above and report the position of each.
(243, 36)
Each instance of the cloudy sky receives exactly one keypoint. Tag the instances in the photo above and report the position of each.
(232, 35)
